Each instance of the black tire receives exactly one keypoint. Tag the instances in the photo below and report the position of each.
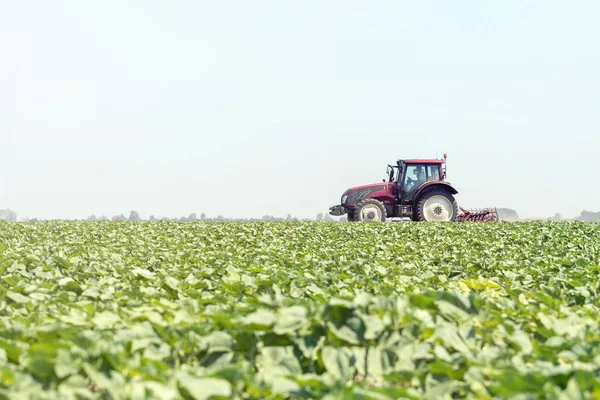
(352, 216)
(377, 213)
(424, 215)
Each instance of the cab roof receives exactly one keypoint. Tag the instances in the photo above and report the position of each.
(423, 161)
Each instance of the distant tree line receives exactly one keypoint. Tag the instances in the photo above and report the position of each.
(508, 214)
(8, 215)
(135, 216)
(505, 214)
(589, 216)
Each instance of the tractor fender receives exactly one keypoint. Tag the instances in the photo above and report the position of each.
(431, 185)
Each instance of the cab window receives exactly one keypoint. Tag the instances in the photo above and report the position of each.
(433, 172)
(415, 176)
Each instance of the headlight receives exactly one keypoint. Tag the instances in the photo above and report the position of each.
(344, 198)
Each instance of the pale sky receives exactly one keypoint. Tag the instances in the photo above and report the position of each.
(247, 108)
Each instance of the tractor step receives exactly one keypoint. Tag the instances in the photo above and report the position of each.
(478, 215)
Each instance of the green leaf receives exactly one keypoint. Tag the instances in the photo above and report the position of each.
(143, 273)
(7, 377)
(106, 319)
(18, 297)
(204, 388)
(160, 391)
(157, 352)
(92, 292)
(113, 384)
(451, 338)
(65, 365)
(283, 385)
(290, 319)
(75, 317)
(172, 283)
(41, 368)
(261, 319)
(13, 352)
(510, 382)
(352, 331)
(339, 362)
(374, 327)
(521, 339)
(279, 360)
(219, 342)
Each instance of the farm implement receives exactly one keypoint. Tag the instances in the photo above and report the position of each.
(479, 215)
(415, 189)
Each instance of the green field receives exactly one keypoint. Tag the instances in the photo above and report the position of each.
(99, 310)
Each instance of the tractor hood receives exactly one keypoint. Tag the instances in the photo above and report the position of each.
(383, 185)
(353, 196)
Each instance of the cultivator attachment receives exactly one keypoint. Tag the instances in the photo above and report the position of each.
(478, 215)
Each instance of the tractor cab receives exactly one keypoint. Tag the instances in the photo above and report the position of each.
(413, 174)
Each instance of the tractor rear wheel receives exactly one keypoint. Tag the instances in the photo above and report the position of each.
(370, 210)
(436, 205)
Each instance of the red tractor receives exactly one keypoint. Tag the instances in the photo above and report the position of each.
(414, 189)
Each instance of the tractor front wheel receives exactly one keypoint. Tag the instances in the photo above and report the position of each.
(436, 205)
(370, 210)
